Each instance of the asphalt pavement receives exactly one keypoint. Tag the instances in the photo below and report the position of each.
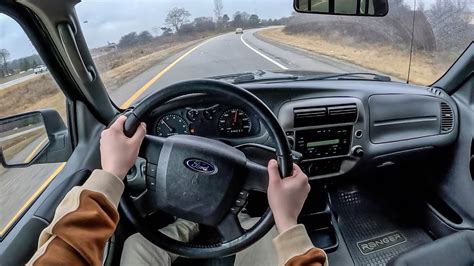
(18, 80)
(225, 54)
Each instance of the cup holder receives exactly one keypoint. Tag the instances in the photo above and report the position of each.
(316, 221)
(321, 230)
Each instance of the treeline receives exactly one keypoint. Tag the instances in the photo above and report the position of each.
(8, 68)
(178, 23)
(443, 27)
(26, 63)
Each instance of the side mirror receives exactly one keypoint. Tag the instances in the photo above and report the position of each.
(375, 8)
(33, 138)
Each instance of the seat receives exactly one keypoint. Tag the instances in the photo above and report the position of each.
(455, 249)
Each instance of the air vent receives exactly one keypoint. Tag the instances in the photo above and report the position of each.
(323, 115)
(310, 116)
(342, 114)
(447, 118)
(435, 91)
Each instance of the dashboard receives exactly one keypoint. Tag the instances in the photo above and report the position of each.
(336, 126)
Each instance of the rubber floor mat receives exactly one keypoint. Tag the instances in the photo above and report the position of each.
(372, 230)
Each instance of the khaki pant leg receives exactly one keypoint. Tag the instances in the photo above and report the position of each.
(137, 250)
(262, 253)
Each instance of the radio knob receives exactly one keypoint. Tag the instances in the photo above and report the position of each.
(358, 151)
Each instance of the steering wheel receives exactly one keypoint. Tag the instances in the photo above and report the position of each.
(200, 179)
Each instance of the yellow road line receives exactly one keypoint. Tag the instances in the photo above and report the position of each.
(126, 104)
(145, 87)
(32, 198)
(33, 152)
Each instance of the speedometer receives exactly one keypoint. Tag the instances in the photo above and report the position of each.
(170, 125)
(234, 122)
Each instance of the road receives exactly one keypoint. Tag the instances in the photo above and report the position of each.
(18, 80)
(224, 54)
(11, 134)
(227, 54)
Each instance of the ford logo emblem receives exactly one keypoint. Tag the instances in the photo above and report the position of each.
(201, 166)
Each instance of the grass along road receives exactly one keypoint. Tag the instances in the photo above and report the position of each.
(115, 70)
(382, 59)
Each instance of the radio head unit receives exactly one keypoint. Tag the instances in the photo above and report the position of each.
(323, 142)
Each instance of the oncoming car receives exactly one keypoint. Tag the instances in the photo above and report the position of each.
(40, 69)
(367, 101)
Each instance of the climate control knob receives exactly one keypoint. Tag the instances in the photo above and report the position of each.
(358, 151)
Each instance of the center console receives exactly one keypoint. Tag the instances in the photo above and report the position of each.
(326, 131)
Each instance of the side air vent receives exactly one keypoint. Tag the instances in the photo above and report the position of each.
(323, 115)
(435, 91)
(447, 118)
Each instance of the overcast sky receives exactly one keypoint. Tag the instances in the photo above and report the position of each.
(108, 20)
(119, 17)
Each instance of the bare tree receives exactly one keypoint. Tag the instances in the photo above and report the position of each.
(177, 17)
(4, 54)
(218, 7)
(450, 20)
(166, 31)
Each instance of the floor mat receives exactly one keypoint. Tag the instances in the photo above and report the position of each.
(372, 230)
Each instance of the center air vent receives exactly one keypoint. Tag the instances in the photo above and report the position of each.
(342, 114)
(323, 115)
(447, 118)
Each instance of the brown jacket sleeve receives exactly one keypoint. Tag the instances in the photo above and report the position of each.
(294, 248)
(83, 222)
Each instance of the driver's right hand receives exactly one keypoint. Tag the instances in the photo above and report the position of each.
(286, 196)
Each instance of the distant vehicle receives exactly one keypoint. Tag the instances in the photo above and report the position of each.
(40, 69)
(239, 31)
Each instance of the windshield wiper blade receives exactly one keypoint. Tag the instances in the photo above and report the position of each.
(241, 80)
(373, 76)
(256, 76)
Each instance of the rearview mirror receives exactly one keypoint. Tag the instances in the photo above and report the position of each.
(376, 8)
(36, 137)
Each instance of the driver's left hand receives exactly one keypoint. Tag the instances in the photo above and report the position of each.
(118, 153)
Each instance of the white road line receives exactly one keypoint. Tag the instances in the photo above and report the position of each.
(261, 54)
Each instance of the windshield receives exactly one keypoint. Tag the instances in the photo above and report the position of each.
(142, 46)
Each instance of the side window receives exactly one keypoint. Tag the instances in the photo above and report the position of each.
(25, 86)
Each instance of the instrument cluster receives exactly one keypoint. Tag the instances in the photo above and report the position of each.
(208, 121)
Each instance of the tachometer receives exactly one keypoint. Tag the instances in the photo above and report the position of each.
(234, 122)
(170, 125)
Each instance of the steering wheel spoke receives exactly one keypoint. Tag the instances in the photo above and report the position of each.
(257, 177)
(230, 228)
(151, 147)
(144, 203)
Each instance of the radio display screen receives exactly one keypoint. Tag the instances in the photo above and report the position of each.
(322, 143)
